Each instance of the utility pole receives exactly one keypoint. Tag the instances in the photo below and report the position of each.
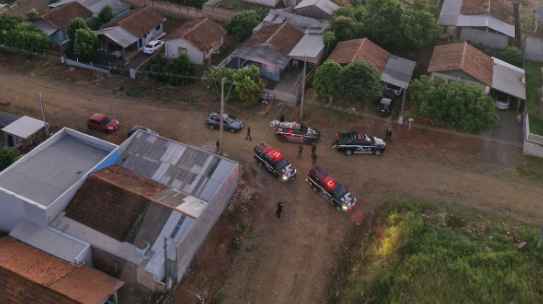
(303, 90)
(44, 121)
(221, 144)
(400, 120)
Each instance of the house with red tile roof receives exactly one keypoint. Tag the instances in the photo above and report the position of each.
(54, 21)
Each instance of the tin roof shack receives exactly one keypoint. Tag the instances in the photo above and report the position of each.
(318, 9)
(40, 184)
(29, 275)
(21, 131)
(159, 191)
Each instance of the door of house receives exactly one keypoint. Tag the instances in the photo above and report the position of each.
(10, 140)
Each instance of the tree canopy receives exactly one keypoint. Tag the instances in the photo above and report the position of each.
(7, 157)
(462, 106)
(242, 23)
(18, 33)
(74, 25)
(359, 80)
(246, 84)
(512, 55)
(326, 78)
(182, 65)
(85, 44)
(106, 14)
(387, 23)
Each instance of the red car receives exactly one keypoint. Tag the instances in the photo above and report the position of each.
(102, 122)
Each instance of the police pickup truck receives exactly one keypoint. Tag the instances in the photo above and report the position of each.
(271, 159)
(295, 132)
(329, 188)
(359, 143)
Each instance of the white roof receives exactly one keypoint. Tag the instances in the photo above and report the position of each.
(398, 71)
(508, 79)
(486, 21)
(326, 6)
(449, 12)
(310, 46)
(24, 127)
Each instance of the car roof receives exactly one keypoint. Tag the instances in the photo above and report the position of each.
(98, 116)
(385, 101)
(390, 85)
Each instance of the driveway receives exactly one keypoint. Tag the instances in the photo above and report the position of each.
(507, 129)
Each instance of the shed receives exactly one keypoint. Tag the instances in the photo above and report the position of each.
(318, 9)
(398, 71)
(21, 130)
(508, 79)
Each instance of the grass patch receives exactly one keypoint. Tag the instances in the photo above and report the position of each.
(253, 172)
(193, 98)
(237, 5)
(424, 253)
(249, 248)
(532, 167)
(130, 92)
(533, 83)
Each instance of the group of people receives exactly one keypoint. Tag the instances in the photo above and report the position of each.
(313, 153)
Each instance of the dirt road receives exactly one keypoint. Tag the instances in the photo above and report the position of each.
(294, 254)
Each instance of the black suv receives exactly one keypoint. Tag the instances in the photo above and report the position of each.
(335, 193)
(230, 122)
(358, 143)
(386, 104)
(295, 132)
(273, 161)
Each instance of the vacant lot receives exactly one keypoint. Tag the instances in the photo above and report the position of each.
(427, 253)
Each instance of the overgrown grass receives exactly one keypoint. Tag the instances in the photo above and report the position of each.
(130, 92)
(422, 253)
(533, 83)
(532, 167)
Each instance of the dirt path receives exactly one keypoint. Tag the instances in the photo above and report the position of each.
(295, 254)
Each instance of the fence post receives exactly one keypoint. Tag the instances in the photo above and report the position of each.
(109, 65)
(77, 60)
(91, 63)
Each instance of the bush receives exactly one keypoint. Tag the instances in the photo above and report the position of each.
(157, 69)
(242, 23)
(32, 13)
(182, 65)
(85, 44)
(93, 23)
(106, 14)
(25, 36)
(7, 157)
(359, 80)
(326, 78)
(247, 87)
(512, 55)
(52, 1)
(74, 25)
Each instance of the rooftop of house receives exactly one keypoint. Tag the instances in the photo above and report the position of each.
(24, 127)
(283, 37)
(462, 56)
(500, 9)
(300, 22)
(59, 16)
(49, 170)
(327, 6)
(538, 11)
(360, 49)
(203, 34)
(29, 275)
(137, 22)
(96, 5)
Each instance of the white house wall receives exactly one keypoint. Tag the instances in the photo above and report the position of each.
(461, 76)
(11, 211)
(172, 50)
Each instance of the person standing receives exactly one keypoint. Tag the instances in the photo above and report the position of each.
(300, 150)
(279, 209)
(388, 135)
(218, 144)
(282, 118)
(314, 157)
(248, 134)
(313, 148)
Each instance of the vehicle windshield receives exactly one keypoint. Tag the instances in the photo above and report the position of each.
(303, 129)
(393, 87)
(105, 120)
(150, 46)
(280, 163)
(339, 191)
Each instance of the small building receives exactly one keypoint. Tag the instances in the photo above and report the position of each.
(131, 31)
(269, 49)
(393, 69)
(198, 38)
(95, 6)
(486, 22)
(29, 275)
(41, 183)
(318, 9)
(462, 62)
(54, 22)
(21, 131)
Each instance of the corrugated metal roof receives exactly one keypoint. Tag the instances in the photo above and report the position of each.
(533, 49)
(310, 45)
(326, 6)
(24, 127)
(44, 175)
(300, 22)
(96, 5)
(398, 71)
(51, 241)
(119, 35)
(539, 13)
(450, 12)
(262, 54)
(486, 21)
(45, 27)
(508, 79)
(193, 171)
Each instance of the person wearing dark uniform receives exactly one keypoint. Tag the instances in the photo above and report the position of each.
(279, 209)
(314, 157)
(218, 144)
(313, 148)
(388, 135)
(248, 134)
(300, 150)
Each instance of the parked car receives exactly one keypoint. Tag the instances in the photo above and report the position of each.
(394, 88)
(295, 132)
(387, 94)
(102, 122)
(385, 106)
(328, 187)
(273, 161)
(153, 46)
(230, 122)
(501, 100)
(136, 128)
(358, 143)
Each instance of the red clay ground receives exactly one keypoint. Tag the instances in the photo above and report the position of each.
(292, 259)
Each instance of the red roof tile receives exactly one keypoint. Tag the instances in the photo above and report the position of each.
(138, 22)
(202, 34)
(360, 49)
(59, 16)
(282, 37)
(462, 56)
(501, 9)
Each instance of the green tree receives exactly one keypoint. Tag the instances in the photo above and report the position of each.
(326, 79)
(32, 13)
(106, 14)
(418, 25)
(26, 36)
(462, 106)
(93, 23)
(157, 69)
(381, 20)
(182, 65)
(85, 44)
(74, 25)
(358, 80)
(248, 85)
(330, 40)
(512, 55)
(52, 1)
(7, 23)
(7, 157)
(242, 23)
(212, 77)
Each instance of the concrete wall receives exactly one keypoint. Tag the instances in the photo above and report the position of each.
(194, 238)
(59, 36)
(461, 76)
(312, 12)
(11, 210)
(533, 144)
(172, 50)
(477, 36)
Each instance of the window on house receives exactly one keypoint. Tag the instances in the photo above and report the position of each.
(182, 50)
(144, 35)
(158, 27)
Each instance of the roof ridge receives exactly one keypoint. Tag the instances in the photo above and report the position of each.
(196, 25)
(464, 50)
(359, 48)
(279, 29)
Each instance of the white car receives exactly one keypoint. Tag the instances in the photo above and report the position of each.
(153, 46)
(501, 100)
